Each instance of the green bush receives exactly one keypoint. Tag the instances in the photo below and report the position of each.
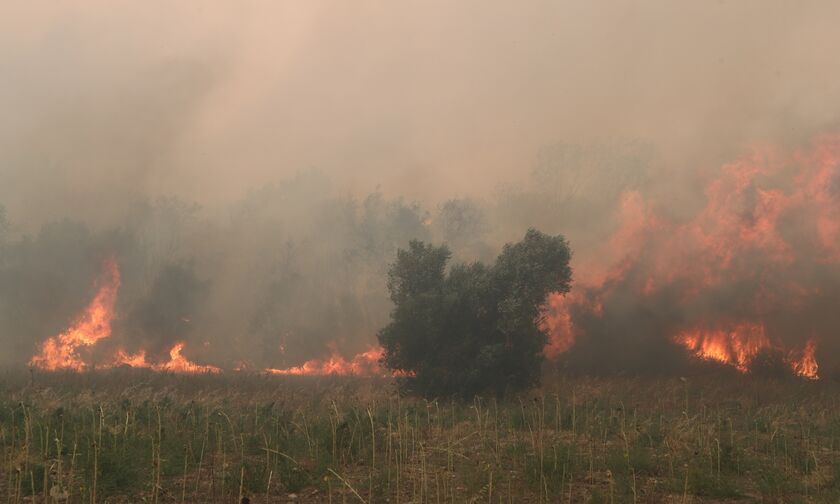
(473, 328)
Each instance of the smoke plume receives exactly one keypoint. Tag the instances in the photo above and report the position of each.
(252, 169)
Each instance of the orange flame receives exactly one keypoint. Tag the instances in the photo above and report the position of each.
(94, 324)
(177, 363)
(559, 323)
(62, 351)
(740, 228)
(365, 363)
(737, 347)
(123, 358)
(807, 366)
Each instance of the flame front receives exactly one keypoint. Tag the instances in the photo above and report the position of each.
(743, 275)
(62, 351)
(177, 363)
(365, 363)
(123, 358)
(740, 346)
(807, 366)
(748, 272)
(737, 347)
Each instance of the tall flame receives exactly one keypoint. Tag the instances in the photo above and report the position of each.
(767, 218)
(807, 366)
(737, 347)
(62, 351)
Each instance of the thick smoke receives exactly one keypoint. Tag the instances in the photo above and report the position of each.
(753, 273)
(289, 272)
(253, 168)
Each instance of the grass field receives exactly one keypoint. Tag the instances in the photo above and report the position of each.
(126, 436)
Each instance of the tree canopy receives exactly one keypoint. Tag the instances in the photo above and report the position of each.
(473, 328)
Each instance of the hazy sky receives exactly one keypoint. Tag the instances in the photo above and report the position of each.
(107, 101)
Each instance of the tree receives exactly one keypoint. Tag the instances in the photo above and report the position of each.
(460, 221)
(474, 328)
(164, 316)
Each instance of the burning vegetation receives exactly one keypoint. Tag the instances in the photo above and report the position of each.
(62, 351)
(65, 351)
(744, 281)
(749, 277)
(419, 252)
(363, 364)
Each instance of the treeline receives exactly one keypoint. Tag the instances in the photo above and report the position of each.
(288, 272)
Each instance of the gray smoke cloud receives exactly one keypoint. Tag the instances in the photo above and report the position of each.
(254, 166)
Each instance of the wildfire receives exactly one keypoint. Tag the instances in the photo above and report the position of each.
(62, 352)
(365, 363)
(807, 366)
(123, 358)
(560, 324)
(761, 250)
(755, 253)
(737, 347)
(94, 324)
(740, 346)
(177, 363)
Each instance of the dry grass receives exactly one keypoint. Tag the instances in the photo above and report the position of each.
(139, 437)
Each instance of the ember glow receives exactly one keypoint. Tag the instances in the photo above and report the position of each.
(750, 272)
